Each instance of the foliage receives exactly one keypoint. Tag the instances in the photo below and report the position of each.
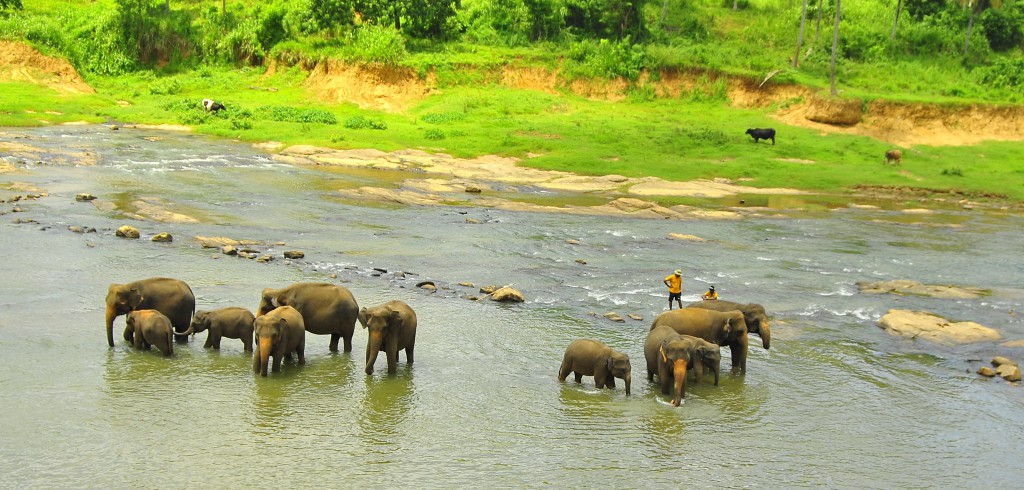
(606, 19)
(1004, 73)
(360, 122)
(606, 59)
(1002, 28)
(377, 44)
(292, 114)
(11, 4)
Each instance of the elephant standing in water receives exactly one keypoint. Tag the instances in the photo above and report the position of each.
(671, 354)
(392, 326)
(278, 333)
(232, 322)
(753, 314)
(150, 327)
(171, 297)
(727, 329)
(325, 308)
(586, 357)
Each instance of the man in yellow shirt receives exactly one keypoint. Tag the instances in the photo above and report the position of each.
(675, 288)
(711, 294)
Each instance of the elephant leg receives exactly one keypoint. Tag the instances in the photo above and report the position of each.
(215, 341)
(408, 354)
(335, 337)
(564, 370)
(392, 361)
(277, 363)
(247, 344)
(601, 378)
(209, 341)
(348, 344)
(611, 382)
(739, 357)
(579, 377)
(301, 352)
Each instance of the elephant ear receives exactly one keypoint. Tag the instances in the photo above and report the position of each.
(395, 320)
(362, 316)
(135, 298)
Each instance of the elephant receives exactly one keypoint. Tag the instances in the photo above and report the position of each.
(150, 327)
(727, 329)
(393, 326)
(753, 314)
(278, 333)
(171, 297)
(325, 308)
(676, 355)
(232, 322)
(587, 357)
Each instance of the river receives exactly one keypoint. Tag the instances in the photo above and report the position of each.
(836, 402)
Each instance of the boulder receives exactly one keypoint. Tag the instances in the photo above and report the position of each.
(636, 317)
(933, 328)
(507, 295)
(127, 231)
(229, 250)
(294, 254)
(265, 258)
(427, 285)
(1009, 372)
(1000, 360)
(84, 197)
(163, 237)
(987, 371)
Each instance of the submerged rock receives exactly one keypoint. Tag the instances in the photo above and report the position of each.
(1000, 360)
(904, 287)
(987, 371)
(84, 197)
(933, 328)
(163, 237)
(1009, 372)
(294, 254)
(507, 295)
(229, 250)
(613, 316)
(216, 242)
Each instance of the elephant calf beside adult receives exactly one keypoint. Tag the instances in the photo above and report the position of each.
(587, 357)
(325, 309)
(391, 326)
(727, 329)
(232, 322)
(146, 328)
(172, 297)
(670, 355)
(753, 314)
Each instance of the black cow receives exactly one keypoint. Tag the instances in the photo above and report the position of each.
(212, 106)
(762, 134)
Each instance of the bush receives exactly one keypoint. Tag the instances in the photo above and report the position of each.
(360, 122)
(1002, 29)
(291, 114)
(1004, 73)
(165, 86)
(434, 134)
(375, 44)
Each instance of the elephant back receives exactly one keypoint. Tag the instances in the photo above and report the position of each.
(325, 308)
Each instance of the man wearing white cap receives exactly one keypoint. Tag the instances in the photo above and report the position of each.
(675, 288)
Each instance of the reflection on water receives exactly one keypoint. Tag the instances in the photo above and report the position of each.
(483, 402)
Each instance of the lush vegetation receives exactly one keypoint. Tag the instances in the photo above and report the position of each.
(160, 57)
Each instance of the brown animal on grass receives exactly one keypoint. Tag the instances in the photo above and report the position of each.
(892, 156)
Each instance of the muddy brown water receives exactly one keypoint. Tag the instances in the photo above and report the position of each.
(836, 402)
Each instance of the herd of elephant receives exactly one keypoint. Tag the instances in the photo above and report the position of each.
(159, 309)
(689, 338)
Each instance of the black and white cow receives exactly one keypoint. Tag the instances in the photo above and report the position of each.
(212, 106)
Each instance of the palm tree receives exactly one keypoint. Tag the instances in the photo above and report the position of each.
(976, 7)
(835, 48)
(899, 6)
(800, 37)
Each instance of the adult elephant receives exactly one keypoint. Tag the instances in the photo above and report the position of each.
(146, 328)
(279, 332)
(232, 322)
(171, 297)
(676, 355)
(727, 329)
(587, 357)
(392, 326)
(325, 308)
(753, 314)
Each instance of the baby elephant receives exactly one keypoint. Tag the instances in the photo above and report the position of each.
(586, 357)
(150, 327)
(391, 328)
(678, 354)
(279, 332)
(232, 322)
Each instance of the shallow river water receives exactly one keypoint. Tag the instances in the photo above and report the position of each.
(836, 402)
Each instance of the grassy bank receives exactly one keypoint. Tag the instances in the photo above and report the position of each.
(674, 139)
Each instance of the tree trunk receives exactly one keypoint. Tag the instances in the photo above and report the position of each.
(223, 7)
(735, 3)
(835, 48)
(800, 37)
(899, 5)
(817, 30)
(970, 25)
(167, 6)
(664, 10)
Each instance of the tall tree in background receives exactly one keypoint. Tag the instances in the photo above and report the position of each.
(800, 37)
(835, 49)
(817, 29)
(10, 4)
(899, 6)
(976, 7)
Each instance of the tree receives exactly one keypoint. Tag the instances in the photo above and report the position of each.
(817, 29)
(976, 7)
(835, 48)
(899, 6)
(10, 4)
(800, 37)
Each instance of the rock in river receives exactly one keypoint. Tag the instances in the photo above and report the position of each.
(127, 231)
(933, 328)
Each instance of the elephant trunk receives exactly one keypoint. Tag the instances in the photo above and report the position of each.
(111, 314)
(372, 349)
(265, 345)
(629, 380)
(766, 335)
(679, 377)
